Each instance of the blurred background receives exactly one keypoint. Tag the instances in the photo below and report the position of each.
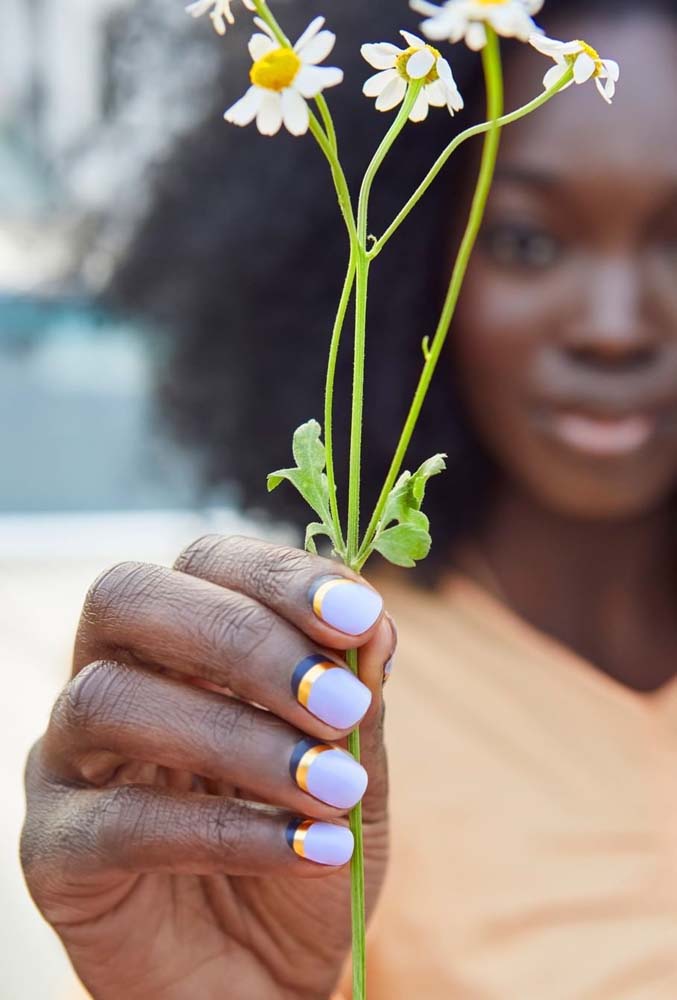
(90, 99)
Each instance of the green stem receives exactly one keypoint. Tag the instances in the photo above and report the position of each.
(329, 398)
(362, 275)
(491, 62)
(327, 121)
(326, 140)
(357, 894)
(458, 140)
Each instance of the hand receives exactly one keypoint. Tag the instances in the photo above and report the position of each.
(162, 838)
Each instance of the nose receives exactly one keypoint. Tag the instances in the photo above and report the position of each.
(611, 328)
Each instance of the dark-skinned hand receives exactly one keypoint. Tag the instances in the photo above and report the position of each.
(163, 837)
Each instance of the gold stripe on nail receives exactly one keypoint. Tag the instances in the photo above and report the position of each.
(322, 592)
(306, 685)
(300, 837)
(305, 764)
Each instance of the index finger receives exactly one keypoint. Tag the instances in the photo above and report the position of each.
(327, 601)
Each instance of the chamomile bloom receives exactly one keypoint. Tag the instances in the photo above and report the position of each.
(220, 12)
(466, 19)
(586, 62)
(283, 78)
(400, 67)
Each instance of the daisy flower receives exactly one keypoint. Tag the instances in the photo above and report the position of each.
(284, 78)
(220, 12)
(400, 67)
(457, 19)
(586, 62)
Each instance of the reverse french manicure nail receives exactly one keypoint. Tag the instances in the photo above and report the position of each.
(328, 773)
(329, 692)
(346, 605)
(321, 842)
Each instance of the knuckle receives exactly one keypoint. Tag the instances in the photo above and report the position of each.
(274, 569)
(196, 558)
(116, 588)
(86, 700)
(239, 625)
(226, 827)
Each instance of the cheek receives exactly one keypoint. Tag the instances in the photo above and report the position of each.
(502, 328)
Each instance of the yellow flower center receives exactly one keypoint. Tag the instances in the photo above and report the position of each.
(276, 70)
(492, 3)
(589, 51)
(404, 57)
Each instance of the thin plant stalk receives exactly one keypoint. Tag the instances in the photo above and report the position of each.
(491, 62)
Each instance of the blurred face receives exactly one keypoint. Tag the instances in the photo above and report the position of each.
(566, 334)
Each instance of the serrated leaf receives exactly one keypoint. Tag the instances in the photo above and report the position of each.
(404, 545)
(409, 540)
(312, 532)
(308, 477)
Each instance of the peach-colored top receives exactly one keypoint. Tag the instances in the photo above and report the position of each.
(534, 813)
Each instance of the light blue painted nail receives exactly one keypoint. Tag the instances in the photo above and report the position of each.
(328, 845)
(338, 698)
(335, 777)
(347, 606)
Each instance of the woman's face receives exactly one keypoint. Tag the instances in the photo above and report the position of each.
(566, 334)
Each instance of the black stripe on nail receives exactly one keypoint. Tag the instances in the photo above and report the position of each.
(290, 832)
(300, 750)
(302, 669)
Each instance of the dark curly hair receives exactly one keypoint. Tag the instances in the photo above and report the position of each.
(239, 262)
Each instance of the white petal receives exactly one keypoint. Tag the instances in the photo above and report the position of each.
(455, 101)
(554, 75)
(423, 7)
(249, 4)
(476, 37)
(380, 55)
(392, 95)
(419, 112)
(219, 23)
(245, 110)
(310, 32)
(436, 93)
(584, 68)
(318, 48)
(269, 118)
(376, 84)
(413, 41)
(607, 88)
(420, 63)
(612, 68)
(199, 8)
(294, 112)
(547, 46)
(444, 72)
(259, 46)
(312, 80)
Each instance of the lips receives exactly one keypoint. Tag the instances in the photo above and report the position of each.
(604, 436)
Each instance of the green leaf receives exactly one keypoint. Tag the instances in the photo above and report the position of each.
(308, 477)
(312, 531)
(409, 540)
(404, 545)
(408, 492)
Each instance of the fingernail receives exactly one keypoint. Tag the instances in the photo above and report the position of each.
(345, 605)
(328, 774)
(321, 842)
(388, 669)
(331, 693)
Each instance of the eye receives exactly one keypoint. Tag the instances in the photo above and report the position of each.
(520, 245)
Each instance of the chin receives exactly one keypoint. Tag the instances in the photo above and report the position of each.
(600, 497)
